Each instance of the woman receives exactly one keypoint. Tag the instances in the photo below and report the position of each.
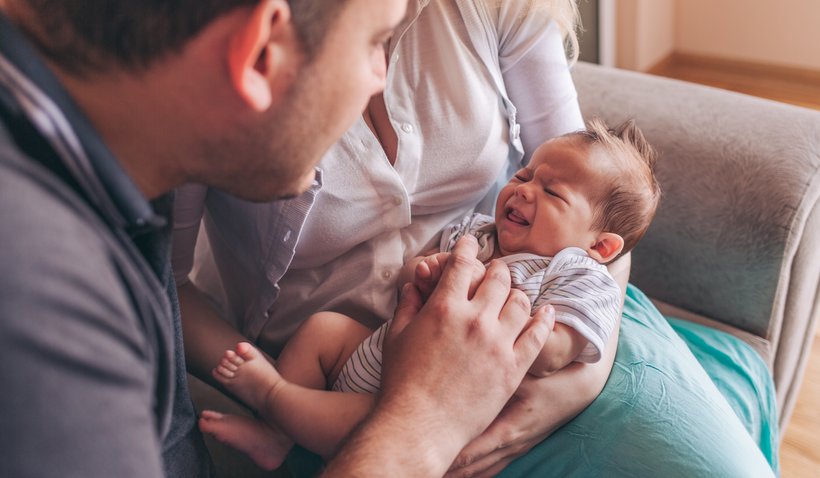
(472, 87)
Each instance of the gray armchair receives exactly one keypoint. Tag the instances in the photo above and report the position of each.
(736, 242)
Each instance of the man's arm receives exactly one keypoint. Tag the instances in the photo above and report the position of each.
(450, 367)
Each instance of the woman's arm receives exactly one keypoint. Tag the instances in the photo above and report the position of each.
(541, 406)
(531, 46)
(206, 336)
(562, 347)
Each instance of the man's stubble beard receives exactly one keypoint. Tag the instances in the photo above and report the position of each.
(269, 158)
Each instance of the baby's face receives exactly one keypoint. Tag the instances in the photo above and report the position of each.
(548, 206)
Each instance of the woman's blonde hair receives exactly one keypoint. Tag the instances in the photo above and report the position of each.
(564, 13)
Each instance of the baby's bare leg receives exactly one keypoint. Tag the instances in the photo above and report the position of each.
(316, 419)
(318, 350)
(247, 373)
(263, 444)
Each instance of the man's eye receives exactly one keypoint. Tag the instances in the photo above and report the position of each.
(551, 193)
(520, 177)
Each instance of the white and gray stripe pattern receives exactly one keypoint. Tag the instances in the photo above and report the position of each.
(362, 373)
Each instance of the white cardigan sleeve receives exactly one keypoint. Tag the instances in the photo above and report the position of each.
(536, 74)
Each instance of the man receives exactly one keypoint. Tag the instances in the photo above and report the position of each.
(105, 108)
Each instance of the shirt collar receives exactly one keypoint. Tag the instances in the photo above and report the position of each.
(38, 94)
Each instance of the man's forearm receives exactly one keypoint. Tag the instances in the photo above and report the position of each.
(387, 446)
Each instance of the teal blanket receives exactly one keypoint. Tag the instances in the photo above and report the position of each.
(696, 403)
(682, 401)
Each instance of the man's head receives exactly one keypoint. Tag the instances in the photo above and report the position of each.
(88, 36)
(594, 189)
(242, 95)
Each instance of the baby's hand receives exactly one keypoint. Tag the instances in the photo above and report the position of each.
(428, 272)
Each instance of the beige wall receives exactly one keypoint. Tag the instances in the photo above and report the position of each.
(645, 30)
(784, 32)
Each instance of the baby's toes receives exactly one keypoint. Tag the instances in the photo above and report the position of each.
(223, 372)
(233, 358)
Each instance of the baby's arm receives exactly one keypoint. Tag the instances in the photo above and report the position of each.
(561, 348)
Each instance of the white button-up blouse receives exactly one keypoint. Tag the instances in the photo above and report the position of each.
(452, 76)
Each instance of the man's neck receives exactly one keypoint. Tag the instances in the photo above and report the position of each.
(130, 117)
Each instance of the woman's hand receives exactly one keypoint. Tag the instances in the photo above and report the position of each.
(540, 406)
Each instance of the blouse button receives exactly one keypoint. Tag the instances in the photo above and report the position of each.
(407, 128)
(397, 200)
(386, 274)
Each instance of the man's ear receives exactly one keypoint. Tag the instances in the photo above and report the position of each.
(257, 51)
(607, 246)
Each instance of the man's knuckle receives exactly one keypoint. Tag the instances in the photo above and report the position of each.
(440, 309)
(520, 299)
(464, 459)
(508, 438)
(461, 261)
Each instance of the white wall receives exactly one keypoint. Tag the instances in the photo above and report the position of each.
(646, 32)
(780, 32)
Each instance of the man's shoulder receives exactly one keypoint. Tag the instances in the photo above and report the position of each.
(52, 244)
(38, 210)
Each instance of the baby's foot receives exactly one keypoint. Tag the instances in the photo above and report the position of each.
(266, 446)
(247, 374)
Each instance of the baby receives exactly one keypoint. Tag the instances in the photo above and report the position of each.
(585, 199)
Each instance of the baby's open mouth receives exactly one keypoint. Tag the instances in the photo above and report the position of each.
(516, 217)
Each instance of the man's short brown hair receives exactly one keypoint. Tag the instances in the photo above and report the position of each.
(95, 35)
(629, 200)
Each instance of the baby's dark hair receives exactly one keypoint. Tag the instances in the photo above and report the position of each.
(629, 200)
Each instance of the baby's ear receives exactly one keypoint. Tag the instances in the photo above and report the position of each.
(607, 246)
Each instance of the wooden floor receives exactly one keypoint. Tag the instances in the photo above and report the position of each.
(799, 451)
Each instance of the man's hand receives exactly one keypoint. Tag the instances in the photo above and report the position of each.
(459, 357)
(450, 366)
(428, 272)
(540, 406)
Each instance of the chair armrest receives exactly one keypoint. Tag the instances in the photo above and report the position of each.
(737, 236)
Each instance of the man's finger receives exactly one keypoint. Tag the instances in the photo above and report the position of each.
(409, 305)
(493, 293)
(455, 280)
(516, 312)
(478, 276)
(532, 338)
